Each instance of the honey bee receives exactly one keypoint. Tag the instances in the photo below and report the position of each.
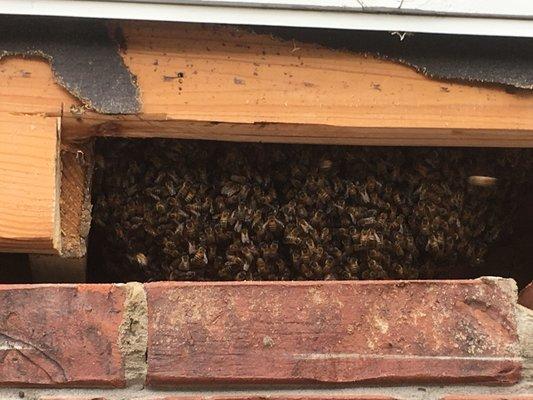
(352, 266)
(281, 267)
(291, 238)
(190, 228)
(212, 210)
(317, 218)
(210, 235)
(296, 259)
(273, 249)
(160, 208)
(189, 197)
(224, 218)
(200, 257)
(184, 189)
(329, 263)
(184, 264)
(323, 196)
(305, 256)
(261, 266)
(245, 238)
(325, 165)
(305, 226)
(141, 259)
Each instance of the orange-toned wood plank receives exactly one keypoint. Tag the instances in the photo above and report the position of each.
(29, 189)
(142, 127)
(28, 86)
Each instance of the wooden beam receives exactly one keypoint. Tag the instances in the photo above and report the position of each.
(224, 83)
(227, 84)
(29, 93)
(141, 127)
(256, 87)
(29, 186)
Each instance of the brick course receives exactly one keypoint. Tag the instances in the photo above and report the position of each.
(490, 397)
(252, 397)
(242, 397)
(94, 336)
(386, 332)
(526, 296)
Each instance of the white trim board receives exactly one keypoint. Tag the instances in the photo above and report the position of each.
(255, 15)
(468, 8)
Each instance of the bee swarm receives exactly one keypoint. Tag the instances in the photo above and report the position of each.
(183, 210)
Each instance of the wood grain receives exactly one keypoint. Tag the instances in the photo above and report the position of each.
(29, 190)
(230, 75)
(28, 86)
(75, 203)
(140, 126)
(225, 83)
(268, 89)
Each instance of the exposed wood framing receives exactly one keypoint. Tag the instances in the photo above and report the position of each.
(29, 186)
(190, 75)
(30, 108)
(75, 203)
(137, 127)
(222, 83)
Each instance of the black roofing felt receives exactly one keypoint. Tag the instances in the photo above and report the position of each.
(495, 60)
(83, 57)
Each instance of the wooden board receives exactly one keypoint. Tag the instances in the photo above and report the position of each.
(28, 86)
(138, 127)
(29, 189)
(230, 75)
(221, 82)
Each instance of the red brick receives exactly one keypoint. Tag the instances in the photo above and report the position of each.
(60, 335)
(242, 397)
(393, 332)
(491, 397)
(526, 296)
(75, 398)
(250, 397)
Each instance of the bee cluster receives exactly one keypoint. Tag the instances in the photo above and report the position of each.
(184, 210)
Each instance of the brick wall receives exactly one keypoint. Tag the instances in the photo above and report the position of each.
(256, 340)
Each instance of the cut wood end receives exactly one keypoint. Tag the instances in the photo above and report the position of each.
(77, 160)
(29, 190)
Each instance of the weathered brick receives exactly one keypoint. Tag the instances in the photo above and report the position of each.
(491, 397)
(393, 332)
(78, 398)
(241, 397)
(60, 335)
(526, 296)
